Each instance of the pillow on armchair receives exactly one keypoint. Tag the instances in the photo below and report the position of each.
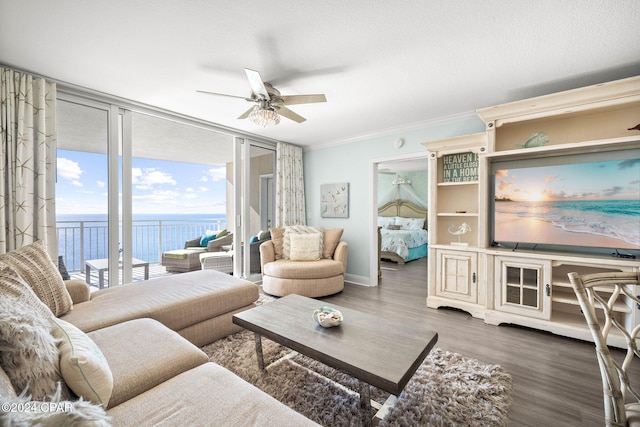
(206, 238)
(305, 247)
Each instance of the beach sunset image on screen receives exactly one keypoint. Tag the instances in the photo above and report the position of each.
(589, 204)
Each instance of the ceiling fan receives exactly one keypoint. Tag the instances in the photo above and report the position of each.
(270, 104)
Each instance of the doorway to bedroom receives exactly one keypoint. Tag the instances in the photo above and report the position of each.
(399, 211)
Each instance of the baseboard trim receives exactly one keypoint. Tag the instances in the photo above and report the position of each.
(357, 280)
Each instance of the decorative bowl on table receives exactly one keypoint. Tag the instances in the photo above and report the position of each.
(327, 317)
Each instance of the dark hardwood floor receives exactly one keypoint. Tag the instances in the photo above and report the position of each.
(556, 379)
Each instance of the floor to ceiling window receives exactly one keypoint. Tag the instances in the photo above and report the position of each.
(134, 184)
(82, 183)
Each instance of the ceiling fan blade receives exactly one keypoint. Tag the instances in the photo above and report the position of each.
(256, 83)
(224, 94)
(246, 113)
(303, 99)
(285, 112)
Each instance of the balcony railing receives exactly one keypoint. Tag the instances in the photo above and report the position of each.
(79, 241)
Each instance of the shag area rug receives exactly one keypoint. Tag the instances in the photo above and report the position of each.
(448, 389)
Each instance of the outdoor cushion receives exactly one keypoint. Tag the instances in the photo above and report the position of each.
(182, 253)
(206, 238)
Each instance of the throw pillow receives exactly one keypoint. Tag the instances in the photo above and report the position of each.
(222, 233)
(33, 263)
(305, 247)
(63, 268)
(394, 227)
(298, 229)
(411, 223)
(13, 285)
(28, 352)
(253, 239)
(83, 366)
(385, 221)
(331, 239)
(264, 235)
(277, 236)
(53, 412)
(206, 238)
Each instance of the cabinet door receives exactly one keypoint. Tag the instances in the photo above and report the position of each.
(524, 287)
(456, 275)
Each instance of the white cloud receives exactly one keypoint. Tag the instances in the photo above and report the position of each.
(189, 190)
(68, 169)
(159, 196)
(203, 189)
(100, 184)
(76, 183)
(215, 174)
(145, 179)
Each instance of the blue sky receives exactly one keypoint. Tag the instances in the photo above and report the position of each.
(609, 180)
(159, 187)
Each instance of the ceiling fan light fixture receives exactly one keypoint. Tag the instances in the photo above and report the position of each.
(264, 116)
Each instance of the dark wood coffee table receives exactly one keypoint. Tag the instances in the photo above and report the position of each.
(381, 352)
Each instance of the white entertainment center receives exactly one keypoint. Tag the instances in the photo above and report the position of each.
(527, 286)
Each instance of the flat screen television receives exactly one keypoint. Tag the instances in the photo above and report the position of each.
(584, 203)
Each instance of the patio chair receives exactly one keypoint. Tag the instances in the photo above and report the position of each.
(188, 259)
(606, 292)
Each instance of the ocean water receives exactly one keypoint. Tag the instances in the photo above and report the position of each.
(619, 219)
(85, 236)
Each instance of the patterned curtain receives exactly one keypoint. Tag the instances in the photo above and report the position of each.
(289, 186)
(27, 166)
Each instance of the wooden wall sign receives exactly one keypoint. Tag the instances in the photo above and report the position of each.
(461, 167)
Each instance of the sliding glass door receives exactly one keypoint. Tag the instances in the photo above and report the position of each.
(178, 185)
(260, 209)
(85, 141)
(133, 184)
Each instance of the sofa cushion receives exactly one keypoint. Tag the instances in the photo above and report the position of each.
(53, 413)
(288, 269)
(331, 239)
(33, 263)
(177, 301)
(305, 247)
(298, 229)
(143, 353)
(82, 365)
(208, 395)
(28, 352)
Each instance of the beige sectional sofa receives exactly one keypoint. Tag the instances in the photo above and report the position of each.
(198, 305)
(139, 363)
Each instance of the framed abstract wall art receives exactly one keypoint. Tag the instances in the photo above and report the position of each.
(334, 201)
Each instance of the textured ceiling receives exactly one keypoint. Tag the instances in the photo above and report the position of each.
(385, 66)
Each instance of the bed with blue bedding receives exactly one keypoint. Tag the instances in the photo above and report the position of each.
(403, 232)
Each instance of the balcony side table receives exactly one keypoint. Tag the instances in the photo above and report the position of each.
(101, 265)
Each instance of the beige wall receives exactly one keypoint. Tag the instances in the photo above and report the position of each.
(260, 165)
